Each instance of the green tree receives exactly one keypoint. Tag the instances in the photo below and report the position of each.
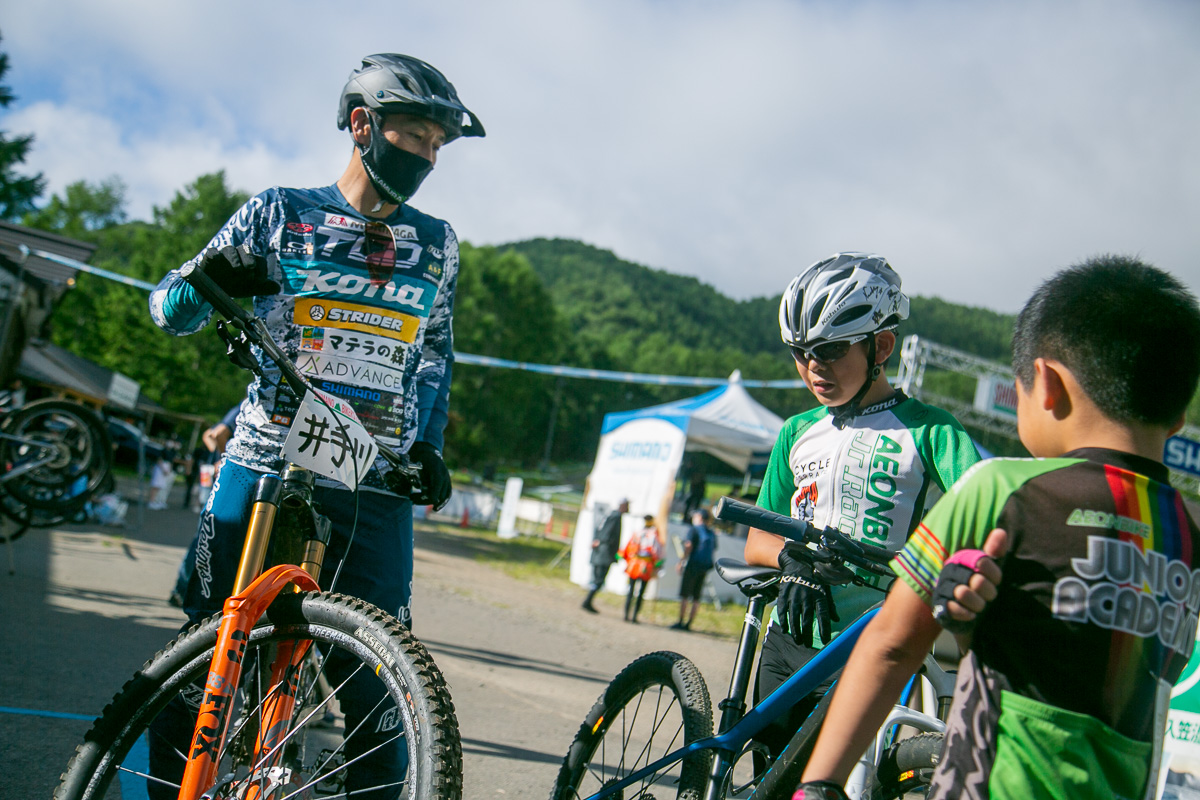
(110, 323)
(83, 210)
(17, 192)
(502, 310)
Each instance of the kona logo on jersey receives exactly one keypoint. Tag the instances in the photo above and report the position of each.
(300, 227)
(358, 373)
(1118, 587)
(355, 285)
(350, 316)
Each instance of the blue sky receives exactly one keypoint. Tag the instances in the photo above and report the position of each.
(979, 146)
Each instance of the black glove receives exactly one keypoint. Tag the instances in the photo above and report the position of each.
(802, 597)
(819, 790)
(237, 271)
(955, 572)
(434, 475)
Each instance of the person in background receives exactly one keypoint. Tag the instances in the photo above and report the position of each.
(162, 476)
(697, 486)
(643, 557)
(699, 551)
(604, 552)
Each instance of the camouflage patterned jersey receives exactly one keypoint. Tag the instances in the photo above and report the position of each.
(382, 341)
(1064, 689)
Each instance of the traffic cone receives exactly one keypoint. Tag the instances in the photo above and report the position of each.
(550, 526)
(466, 519)
(566, 530)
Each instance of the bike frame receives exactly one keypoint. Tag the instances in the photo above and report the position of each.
(728, 744)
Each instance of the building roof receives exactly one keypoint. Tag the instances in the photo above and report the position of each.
(13, 236)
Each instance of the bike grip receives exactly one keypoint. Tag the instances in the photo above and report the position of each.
(732, 510)
(221, 302)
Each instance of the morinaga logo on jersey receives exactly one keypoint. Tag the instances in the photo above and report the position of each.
(350, 285)
(1121, 588)
(348, 224)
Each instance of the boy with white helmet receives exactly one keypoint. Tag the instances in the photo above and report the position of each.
(863, 461)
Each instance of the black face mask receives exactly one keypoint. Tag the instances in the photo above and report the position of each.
(394, 172)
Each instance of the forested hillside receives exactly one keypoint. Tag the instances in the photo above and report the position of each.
(550, 301)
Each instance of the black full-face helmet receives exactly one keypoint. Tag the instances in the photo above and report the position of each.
(390, 83)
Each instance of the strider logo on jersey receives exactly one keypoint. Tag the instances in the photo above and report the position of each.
(351, 316)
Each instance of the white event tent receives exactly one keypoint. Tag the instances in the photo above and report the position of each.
(640, 453)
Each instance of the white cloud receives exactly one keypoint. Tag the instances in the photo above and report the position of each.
(977, 146)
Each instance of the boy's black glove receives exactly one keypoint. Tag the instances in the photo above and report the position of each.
(802, 597)
(819, 790)
(237, 271)
(434, 475)
(957, 571)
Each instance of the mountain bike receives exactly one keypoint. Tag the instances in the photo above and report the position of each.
(54, 455)
(264, 687)
(649, 735)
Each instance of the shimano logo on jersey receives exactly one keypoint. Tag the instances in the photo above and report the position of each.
(342, 390)
(354, 285)
(651, 451)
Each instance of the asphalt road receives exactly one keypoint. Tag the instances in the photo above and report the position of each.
(86, 605)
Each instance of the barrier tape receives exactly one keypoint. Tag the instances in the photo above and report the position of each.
(483, 361)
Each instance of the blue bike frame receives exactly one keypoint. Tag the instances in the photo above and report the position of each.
(830, 659)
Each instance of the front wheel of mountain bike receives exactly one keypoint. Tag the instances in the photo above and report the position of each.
(372, 716)
(653, 707)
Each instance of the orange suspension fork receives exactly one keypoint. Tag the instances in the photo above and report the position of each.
(240, 612)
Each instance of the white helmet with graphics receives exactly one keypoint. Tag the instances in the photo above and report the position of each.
(845, 297)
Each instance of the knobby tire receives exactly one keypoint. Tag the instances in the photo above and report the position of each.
(654, 706)
(336, 623)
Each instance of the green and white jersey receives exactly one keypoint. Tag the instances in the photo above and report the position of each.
(870, 479)
(1064, 689)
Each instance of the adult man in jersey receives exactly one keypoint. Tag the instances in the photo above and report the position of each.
(357, 286)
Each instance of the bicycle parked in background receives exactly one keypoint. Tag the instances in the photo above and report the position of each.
(258, 690)
(54, 456)
(650, 734)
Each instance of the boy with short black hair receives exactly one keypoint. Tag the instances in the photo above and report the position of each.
(1064, 690)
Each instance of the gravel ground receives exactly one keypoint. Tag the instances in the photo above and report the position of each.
(84, 606)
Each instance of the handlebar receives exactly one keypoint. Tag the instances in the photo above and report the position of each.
(256, 333)
(831, 543)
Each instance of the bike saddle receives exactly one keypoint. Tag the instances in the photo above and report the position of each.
(750, 578)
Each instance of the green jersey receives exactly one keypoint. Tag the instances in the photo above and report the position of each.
(872, 479)
(1063, 692)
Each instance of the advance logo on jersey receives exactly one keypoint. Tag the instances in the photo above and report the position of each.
(348, 370)
(354, 317)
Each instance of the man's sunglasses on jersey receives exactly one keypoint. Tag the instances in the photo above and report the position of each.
(379, 246)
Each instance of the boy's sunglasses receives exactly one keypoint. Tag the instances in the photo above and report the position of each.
(379, 246)
(826, 352)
